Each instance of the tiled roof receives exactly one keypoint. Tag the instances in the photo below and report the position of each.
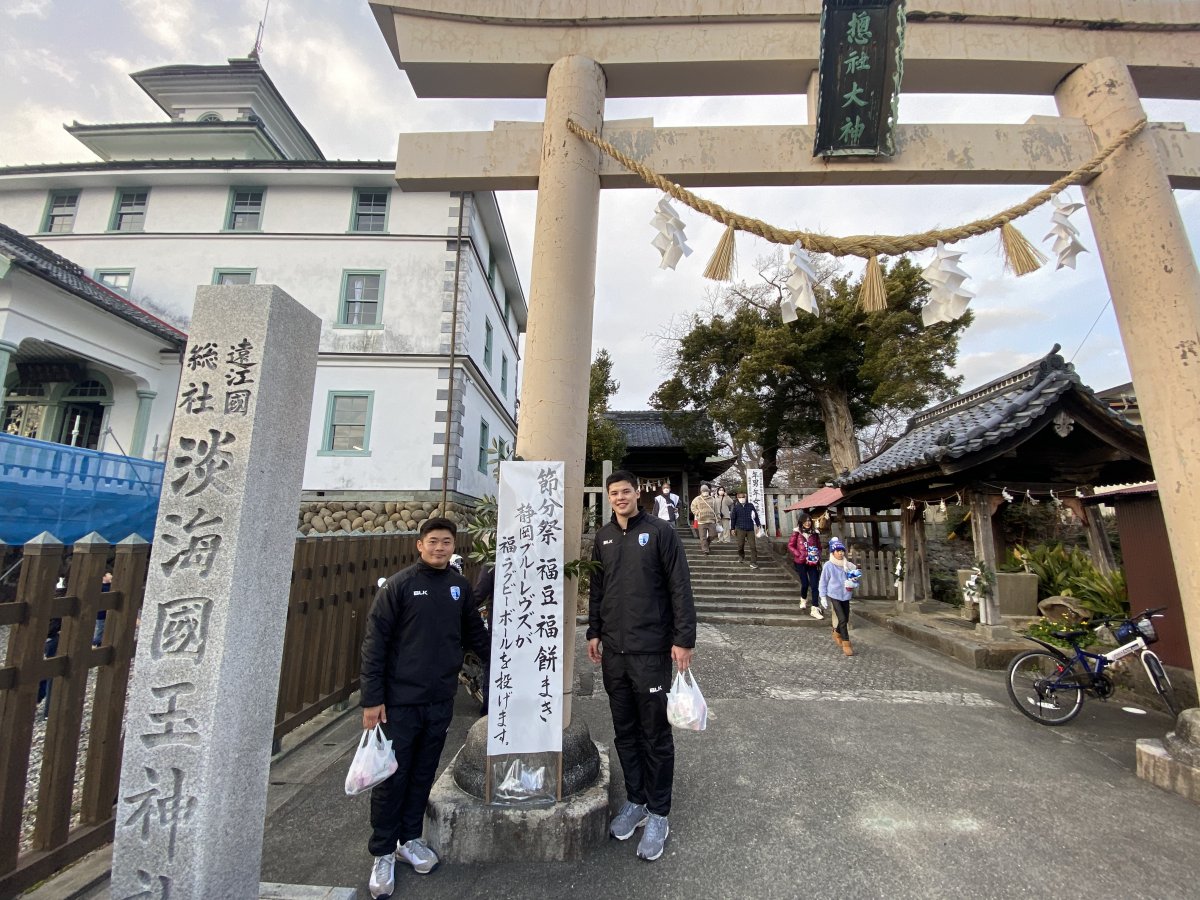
(33, 257)
(644, 428)
(982, 418)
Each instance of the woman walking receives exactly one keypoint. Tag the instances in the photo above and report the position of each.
(839, 578)
(724, 505)
(805, 547)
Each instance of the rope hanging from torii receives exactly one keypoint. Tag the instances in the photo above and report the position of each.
(1022, 257)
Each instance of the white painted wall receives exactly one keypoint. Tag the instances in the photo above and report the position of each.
(401, 444)
(305, 247)
(477, 407)
(32, 309)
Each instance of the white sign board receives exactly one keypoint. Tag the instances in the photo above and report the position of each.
(758, 496)
(525, 712)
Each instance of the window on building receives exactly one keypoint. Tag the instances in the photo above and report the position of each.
(348, 424)
(487, 344)
(483, 446)
(120, 280)
(362, 295)
(60, 212)
(129, 211)
(210, 117)
(233, 276)
(245, 209)
(370, 211)
(492, 268)
(503, 375)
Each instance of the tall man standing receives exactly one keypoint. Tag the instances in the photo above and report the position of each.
(641, 619)
(412, 652)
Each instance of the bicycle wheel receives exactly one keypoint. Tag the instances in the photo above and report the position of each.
(1040, 686)
(1162, 684)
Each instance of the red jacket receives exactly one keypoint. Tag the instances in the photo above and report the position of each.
(805, 548)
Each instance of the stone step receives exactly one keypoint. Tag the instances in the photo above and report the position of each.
(786, 620)
(748, 606)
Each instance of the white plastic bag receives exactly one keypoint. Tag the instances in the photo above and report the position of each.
(373, 763)
(685, 704)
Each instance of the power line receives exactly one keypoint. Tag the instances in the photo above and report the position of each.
(1090, 330)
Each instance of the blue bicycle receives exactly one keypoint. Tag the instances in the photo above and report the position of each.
(1049, 686)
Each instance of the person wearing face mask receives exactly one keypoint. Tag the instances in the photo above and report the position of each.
(744, 519)
(724, 505)
(704, 511)
(666, 505)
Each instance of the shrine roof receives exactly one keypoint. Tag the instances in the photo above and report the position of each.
(994, 414)
(61, 272)
(643, 428)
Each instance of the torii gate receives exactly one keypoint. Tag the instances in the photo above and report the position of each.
(1097, 60)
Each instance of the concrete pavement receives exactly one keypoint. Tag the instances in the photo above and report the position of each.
(894, 773)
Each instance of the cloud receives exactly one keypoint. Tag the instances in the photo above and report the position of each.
(32, 132)
(170, 23)
(38, 9)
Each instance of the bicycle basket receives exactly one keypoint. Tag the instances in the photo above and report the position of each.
(1126, 632)
(1146, 627)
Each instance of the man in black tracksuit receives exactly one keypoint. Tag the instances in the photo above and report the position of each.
(640, 619)
(412, 652)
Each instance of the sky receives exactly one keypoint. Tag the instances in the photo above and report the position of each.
(69, 60)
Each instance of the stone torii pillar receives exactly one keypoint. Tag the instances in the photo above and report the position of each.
(1155, 290)
(562, 295)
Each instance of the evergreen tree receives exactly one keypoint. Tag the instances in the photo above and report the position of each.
(812, 383)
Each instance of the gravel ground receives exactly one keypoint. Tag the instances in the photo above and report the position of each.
(36, 750)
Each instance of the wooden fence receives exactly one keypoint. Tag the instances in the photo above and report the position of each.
(332, 585)
(879, 574)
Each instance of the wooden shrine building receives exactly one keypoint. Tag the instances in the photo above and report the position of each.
(1036, 433)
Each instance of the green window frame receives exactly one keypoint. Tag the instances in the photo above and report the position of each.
(504, 374)
(119, 280)
(234, 276)
(129, 210)
(347, 424)
(370, 211)
(484, 437)
(488, 340)
(361, 303)
(61, 207)
(245, 210)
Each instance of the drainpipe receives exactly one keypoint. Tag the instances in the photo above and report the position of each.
(462, 199)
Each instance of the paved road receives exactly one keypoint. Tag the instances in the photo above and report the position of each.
(894, 773)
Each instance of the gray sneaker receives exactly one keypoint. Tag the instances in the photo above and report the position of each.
(419, 855)
(631, 817)
(654, 838)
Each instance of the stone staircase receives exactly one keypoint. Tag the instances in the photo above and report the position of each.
(731, 593)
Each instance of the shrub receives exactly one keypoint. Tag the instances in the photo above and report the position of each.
(1070, 573)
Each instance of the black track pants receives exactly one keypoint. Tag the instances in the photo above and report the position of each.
(841, 617)
(637, 686)
(418, 734)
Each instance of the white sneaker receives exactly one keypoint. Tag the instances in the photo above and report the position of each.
(383, 876)
(815, 613)
(419, 855)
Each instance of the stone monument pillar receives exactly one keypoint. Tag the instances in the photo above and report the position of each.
(558, 346)
(1155, 291)
(201, 707)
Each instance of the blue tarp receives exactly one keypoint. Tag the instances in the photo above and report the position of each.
(71, 492)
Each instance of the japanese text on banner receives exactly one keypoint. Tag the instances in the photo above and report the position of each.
(525, 714)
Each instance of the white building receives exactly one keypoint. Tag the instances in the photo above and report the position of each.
(232, 189)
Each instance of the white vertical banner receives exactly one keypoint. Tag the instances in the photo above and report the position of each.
(525, 711)
(756, 492)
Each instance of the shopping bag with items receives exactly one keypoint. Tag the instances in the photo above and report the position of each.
(685, 704)
(373, 763)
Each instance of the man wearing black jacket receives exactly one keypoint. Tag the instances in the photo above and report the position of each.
(640, 619)
(412, 652)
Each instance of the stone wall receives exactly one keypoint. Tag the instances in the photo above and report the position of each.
(374, 516)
